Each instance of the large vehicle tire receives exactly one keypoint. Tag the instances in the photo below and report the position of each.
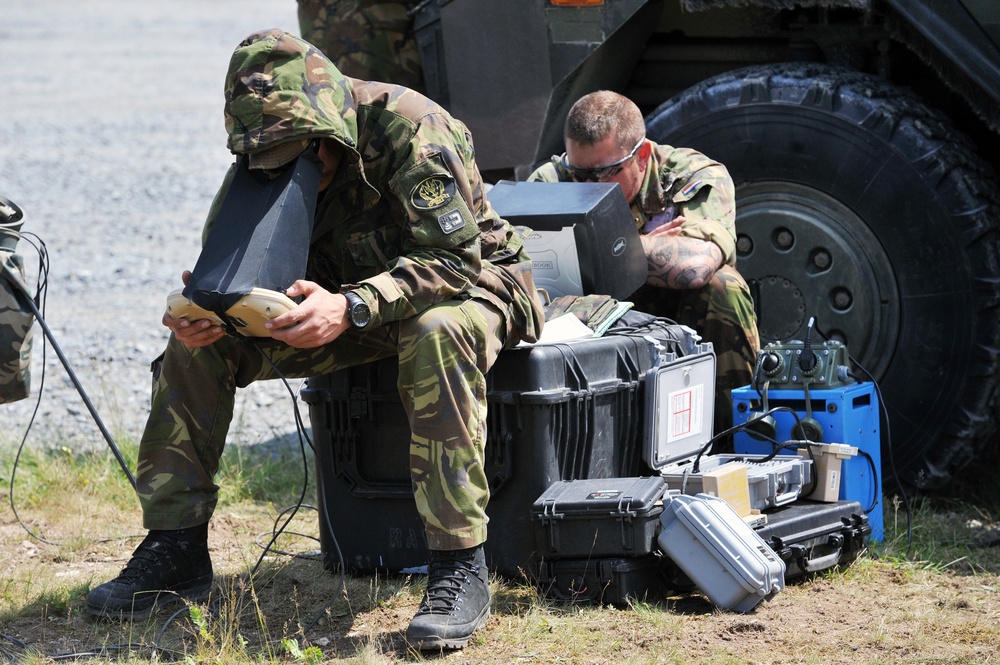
(859, 205)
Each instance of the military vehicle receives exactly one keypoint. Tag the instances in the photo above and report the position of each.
(863, 139)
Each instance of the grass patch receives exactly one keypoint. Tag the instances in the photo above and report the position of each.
(928, 595)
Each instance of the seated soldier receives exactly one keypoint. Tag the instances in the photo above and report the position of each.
(407, 259)
(684, 207)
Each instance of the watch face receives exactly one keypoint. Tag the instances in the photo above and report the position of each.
(360, 314)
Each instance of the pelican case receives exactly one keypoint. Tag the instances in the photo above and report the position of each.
(811, 536)
(609, 581)
(564, 411)
(709, 541)
(595, 518)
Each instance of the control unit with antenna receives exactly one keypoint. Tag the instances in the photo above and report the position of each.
(828, 412)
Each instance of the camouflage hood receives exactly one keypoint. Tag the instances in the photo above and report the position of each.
(282, 91)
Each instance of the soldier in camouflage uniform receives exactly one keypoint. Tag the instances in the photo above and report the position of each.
(684, 208)
(367, 39)
(16, 318)
(407, 259)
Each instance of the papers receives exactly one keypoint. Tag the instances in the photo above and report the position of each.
(568, 327)
(561, 329)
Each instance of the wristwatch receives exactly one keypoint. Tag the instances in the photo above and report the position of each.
(358, 312)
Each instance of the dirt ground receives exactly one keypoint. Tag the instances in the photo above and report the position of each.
(877, 611)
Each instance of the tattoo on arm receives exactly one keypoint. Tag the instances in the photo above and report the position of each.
(677, 262)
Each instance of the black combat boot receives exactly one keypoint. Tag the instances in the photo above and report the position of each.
(456, 603)
(168, 566)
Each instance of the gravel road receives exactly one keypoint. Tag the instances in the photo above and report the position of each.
(112, 142)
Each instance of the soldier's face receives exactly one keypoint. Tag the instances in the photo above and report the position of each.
(330, 153)
(628, 173)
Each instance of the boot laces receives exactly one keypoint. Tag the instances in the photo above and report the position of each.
(152, 551)
(446, 584)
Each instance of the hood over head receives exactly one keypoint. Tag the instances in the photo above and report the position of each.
(281, 92)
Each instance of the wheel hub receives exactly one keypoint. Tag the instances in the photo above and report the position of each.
(806, 254)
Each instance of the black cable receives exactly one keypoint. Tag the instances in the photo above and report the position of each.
(888, 447)
(15, 641)
(892, 458)
(875, 485)
(304, 440)
(22, 288)
(742, 427)
(813, 471)
(277, 531)
(285, 531)
(41, 292)
(41, 300)
(166, 624)
(114, 649)
(342, 582)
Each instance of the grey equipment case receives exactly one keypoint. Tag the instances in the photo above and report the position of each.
(719, 552)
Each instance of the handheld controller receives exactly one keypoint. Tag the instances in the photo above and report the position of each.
(247, 316)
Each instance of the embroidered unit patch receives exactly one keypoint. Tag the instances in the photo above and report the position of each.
(433, 192)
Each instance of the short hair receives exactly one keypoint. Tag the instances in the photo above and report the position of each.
(594, 116)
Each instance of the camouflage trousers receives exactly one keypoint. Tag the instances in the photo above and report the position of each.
(371, 40)
(444, 354)
(722, 313)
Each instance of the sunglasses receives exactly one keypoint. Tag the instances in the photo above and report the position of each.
(600, 172)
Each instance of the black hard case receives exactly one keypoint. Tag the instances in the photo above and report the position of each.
(556, 412)
(809, 537)
(812, 536)
(610, 581)
(613, 517)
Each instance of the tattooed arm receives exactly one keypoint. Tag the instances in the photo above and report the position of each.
(679, 262)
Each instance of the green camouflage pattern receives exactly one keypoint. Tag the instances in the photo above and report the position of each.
(444, 355)
(594, 310)
(681, 182)
(16, 326)
(366, 39)
(409, 229)
(419, 171)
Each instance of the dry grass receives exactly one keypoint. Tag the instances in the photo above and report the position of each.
(936, 603)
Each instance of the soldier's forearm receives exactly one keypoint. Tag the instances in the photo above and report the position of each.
(677, 262)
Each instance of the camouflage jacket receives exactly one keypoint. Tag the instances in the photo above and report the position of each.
(405, 222)
(678, 182)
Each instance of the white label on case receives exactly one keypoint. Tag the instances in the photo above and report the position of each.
(686, 409)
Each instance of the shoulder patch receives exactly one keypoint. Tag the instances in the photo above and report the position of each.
(451, 221)
(433, 192)
(687, 191)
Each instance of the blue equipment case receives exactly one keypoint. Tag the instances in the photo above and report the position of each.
(848, 414)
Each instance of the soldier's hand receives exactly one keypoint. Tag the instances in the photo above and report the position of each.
(318, 320)
(193, 333)
(671, 228)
